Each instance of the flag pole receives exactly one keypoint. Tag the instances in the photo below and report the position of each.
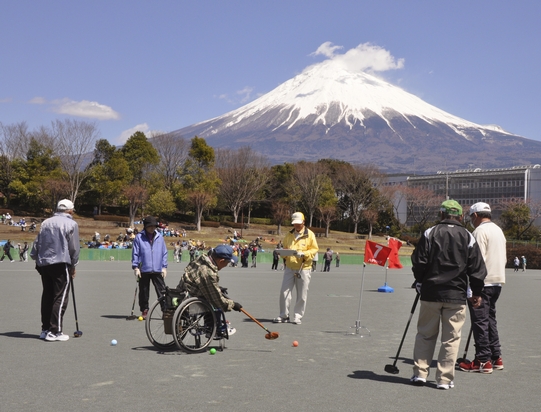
(385, 288)
(358, 327)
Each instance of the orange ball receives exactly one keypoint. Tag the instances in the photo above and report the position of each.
(295, 343)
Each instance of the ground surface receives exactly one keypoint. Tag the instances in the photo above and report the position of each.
(328, 371)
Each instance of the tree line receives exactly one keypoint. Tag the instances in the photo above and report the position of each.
(163, 175)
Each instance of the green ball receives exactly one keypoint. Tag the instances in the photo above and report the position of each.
(175, 302)
(212, 351)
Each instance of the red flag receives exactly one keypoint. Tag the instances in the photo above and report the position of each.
(376, 253)
(394, 260)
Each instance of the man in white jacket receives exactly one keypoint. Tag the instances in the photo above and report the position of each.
(491, 241)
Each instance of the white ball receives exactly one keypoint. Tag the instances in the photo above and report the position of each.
(113, 342)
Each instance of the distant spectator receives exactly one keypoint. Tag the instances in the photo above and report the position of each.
(337, 259)
(516, 262)
(523, 263)
(7, 251)
(327, 257)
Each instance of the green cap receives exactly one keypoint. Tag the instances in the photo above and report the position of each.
(451, 207)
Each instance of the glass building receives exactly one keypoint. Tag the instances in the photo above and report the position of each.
(493, 186)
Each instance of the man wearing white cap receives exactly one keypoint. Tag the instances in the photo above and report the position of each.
(56, 252)
(491, 241)
(298, 269)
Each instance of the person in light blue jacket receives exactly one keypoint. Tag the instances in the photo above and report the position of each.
(149, 262)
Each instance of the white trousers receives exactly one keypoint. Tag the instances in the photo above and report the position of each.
(300, 282)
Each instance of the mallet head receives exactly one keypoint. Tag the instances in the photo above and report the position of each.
(77, 334)
(391, 369)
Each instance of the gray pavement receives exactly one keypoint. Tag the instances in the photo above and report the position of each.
(329, 370)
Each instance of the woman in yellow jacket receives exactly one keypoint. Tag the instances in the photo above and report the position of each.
(298, 269)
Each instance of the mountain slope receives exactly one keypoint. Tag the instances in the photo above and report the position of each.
(329, 111)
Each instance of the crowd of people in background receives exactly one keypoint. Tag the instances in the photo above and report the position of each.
(7, 219)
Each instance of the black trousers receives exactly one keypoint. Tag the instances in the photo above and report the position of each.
(54, 299)
(275, 264)
(485, 327)
(8, 253)
(327, 267)
(144, 287)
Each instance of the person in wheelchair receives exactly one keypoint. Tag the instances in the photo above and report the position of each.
(201, 279)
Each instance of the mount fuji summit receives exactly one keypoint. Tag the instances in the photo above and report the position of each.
(331, 112)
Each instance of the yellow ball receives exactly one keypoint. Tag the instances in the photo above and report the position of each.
(140, 318)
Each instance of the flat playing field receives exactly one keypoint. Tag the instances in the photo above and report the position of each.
(329, 370)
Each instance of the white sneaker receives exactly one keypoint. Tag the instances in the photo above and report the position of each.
(417, 380)
(59, 337)
(296, 322)
(231, 331)
(449, 385)
(279, 319)
(43, 334)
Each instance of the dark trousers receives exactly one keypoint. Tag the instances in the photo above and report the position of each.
(485, 327)
(327, 267)
(144, 287)
(275, 264)
(6, 253)
(54, 299)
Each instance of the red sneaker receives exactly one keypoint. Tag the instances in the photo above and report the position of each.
(497, 363)
(476, 366)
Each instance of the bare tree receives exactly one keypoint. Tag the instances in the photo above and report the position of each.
(422, 205)
(356, 186)
(312, 182)
(12, 140)
(280, 212)
(396, 195)
(74, 141)
(136, 196)
(243, 174)
(327, 214)
(173, 152)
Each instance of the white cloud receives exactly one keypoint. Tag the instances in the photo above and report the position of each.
(84, 108)
(246, 92)
(245, 96)
(364, 57)
(38, 100)
(326, 49)
(126, 134)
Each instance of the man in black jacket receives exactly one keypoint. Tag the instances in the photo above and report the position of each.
(446, 259)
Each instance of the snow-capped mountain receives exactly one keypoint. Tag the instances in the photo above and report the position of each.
(328, 111)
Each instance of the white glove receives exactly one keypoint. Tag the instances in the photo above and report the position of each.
(164, 272)
(137, 273)
(418, 287)
(299, 254)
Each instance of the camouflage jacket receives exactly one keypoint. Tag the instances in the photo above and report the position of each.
(201, 279)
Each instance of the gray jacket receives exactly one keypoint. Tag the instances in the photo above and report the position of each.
(57, 241)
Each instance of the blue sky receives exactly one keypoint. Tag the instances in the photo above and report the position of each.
(163, 65)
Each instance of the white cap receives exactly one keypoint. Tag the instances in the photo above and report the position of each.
(479, 207)
(297, 218)
(65, 204)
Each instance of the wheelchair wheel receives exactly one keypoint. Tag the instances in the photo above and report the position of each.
(157, 328)
(194, 325)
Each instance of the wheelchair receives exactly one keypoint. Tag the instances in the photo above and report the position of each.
(179, 321)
